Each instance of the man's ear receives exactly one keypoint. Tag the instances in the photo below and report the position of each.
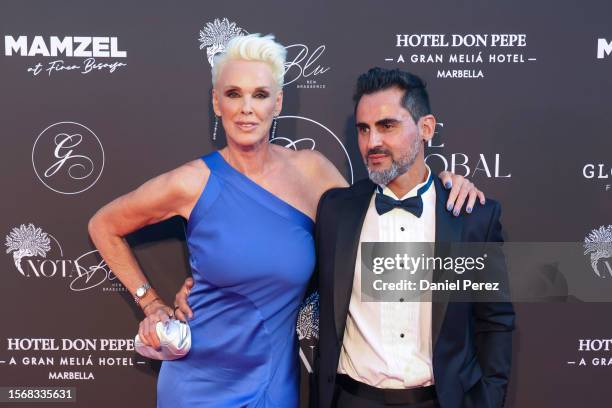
(427, 127)
(215, 102)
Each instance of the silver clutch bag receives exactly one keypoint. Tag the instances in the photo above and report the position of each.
(174, 337)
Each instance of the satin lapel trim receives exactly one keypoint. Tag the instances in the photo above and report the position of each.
(347, 243)
(448, 229)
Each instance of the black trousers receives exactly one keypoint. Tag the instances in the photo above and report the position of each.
(344, 399)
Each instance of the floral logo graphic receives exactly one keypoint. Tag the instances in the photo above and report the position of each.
(599, 244)
(308, 327)
(308, 318)
(27, 241)
(215, 36)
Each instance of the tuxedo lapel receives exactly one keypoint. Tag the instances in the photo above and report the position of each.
(350, 222)
(448, 230)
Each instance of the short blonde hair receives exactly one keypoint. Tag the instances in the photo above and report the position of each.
(253, 47)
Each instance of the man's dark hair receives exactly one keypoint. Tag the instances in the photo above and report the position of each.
(415, 99)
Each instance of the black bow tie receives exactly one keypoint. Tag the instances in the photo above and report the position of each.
(385, 204)
(413, 205)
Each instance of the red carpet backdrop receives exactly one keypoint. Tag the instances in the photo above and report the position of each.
(98, 97)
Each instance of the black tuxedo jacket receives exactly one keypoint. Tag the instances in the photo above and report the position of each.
(472, 342)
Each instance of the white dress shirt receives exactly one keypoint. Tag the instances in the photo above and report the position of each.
(388, 344)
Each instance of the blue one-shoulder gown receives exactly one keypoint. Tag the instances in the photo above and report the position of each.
(251, 255)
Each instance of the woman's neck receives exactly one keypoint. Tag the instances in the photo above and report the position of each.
(252, 160)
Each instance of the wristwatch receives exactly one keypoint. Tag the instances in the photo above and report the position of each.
(141, 292)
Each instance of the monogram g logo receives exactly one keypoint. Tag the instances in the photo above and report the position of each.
(68, 158)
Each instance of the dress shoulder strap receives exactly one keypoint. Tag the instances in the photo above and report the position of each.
(213, 160)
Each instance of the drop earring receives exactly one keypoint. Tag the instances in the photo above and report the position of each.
(215, 128)
(274, 122)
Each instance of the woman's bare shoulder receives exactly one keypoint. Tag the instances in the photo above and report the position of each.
(310, 161)
(320, 169)
(190, 178)
(320, 173)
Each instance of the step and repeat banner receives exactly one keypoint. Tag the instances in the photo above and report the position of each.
(98, 97)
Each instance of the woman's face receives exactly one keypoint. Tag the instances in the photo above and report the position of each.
(247, 98)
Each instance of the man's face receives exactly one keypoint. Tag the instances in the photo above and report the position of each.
(389, 139)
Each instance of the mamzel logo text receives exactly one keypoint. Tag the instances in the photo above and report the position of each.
(88, 48)
(37, 254)
(604, 48)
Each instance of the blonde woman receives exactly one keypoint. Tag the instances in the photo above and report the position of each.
(250, 210)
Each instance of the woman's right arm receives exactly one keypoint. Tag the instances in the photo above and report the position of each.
(172, 193)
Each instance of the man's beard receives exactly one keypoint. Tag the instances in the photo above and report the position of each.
(397, 168)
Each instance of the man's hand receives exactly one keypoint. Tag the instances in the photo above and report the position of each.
(182, 311)
(461, 188)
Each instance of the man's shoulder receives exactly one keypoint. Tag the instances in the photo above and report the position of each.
(333, 200)
(484, 223)
(490, 208)
(339, 194)
(364, 186)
